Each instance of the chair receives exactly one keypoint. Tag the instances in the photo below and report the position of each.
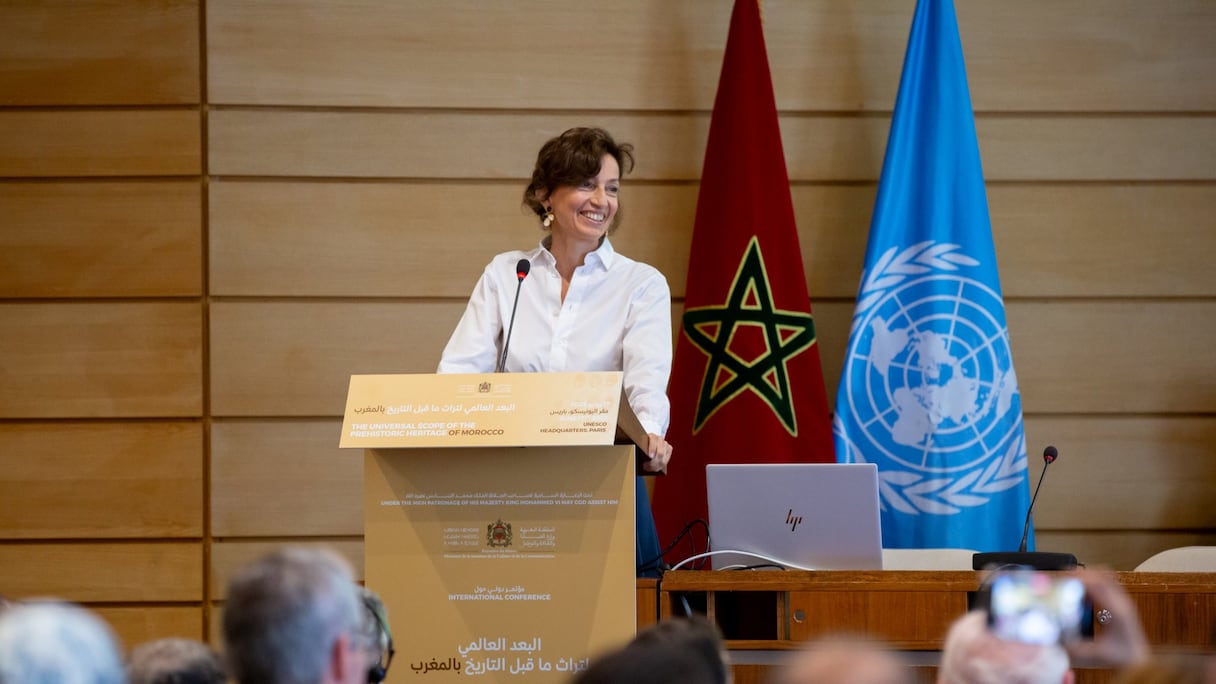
(927, 559)
(1181, 559)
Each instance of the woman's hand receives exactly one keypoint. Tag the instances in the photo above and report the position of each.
(659, 451)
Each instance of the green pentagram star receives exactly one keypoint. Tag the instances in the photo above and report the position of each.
(785, 335)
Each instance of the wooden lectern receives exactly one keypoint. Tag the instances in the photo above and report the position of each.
(498, 519)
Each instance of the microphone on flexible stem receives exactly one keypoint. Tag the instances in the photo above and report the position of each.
(1049, 456)
(521, 271)
(1038, 560)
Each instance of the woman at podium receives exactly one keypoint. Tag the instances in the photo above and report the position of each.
(573, 303)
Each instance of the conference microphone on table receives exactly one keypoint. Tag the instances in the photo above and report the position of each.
(1050, 454)
(522, 268)
(1038, 560)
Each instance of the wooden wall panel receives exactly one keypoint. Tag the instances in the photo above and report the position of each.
(1140, 240)
(671, 146)
(427, 239)
(1096, 148)
(101, 239)
(827, 55)
(36, 144)
(1041, 55)
(393, 240)
(462, 54)
(1124, 472)
(92, 52)
(1129, 356)
(101, 480)
(296, 358)
(228, 557)
(135, 625)
(1118, 549)
(284, 478)
(117, 359)
(362, 239)
(1052, 240)
(101, 572)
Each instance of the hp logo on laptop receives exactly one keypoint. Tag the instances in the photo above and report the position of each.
(793, 520)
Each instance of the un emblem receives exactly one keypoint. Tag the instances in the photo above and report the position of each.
(929, 383)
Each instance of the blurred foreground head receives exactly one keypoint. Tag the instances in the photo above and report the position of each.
(175, 661)
(294, 617)
(57, 643)
(687, 650)
(844, 659)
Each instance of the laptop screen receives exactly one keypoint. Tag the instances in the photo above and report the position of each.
(810, 516)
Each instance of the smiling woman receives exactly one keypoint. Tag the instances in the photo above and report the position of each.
(584, 307)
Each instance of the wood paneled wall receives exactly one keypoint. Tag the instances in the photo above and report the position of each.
(212, 212)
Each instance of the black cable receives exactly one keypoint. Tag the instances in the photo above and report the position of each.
(657, 563)
(692, 550)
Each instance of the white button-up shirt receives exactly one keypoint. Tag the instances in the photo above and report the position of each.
(616, 317)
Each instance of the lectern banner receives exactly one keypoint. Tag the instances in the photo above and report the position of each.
(511, 564)
(483, 409)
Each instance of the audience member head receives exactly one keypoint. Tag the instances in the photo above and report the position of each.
(293, 617)
(844, 659)
(688, 650)
(56, 643)
(378, 633)
(175, 661)
(973, 655)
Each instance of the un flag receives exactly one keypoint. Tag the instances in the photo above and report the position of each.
(928, 390)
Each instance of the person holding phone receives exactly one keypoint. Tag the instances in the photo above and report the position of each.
(1008, 644)
(973, 654)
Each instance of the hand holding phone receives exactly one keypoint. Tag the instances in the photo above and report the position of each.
(1122, 641)
(1037, 607)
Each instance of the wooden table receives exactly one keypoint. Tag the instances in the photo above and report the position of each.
(764, 614)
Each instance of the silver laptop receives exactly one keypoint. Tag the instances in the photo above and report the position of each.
(810, 516)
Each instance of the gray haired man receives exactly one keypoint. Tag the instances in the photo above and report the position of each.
(294, 617)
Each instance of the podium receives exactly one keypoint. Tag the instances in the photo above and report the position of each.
(498, 520)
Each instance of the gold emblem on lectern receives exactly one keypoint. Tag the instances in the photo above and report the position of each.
(498, 534)
(484, 387)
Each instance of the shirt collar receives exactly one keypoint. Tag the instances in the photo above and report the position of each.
(604, 255)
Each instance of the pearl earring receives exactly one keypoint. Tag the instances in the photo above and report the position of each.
(547, 217)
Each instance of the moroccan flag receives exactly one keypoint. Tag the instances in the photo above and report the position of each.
(928, 390)
(746, 384)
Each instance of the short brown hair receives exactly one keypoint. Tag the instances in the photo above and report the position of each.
(571, 158)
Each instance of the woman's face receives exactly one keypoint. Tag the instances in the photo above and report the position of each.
(585, 211)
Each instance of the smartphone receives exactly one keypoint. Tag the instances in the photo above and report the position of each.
(1038, 608)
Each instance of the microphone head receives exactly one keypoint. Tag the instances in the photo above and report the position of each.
(522, 269)
(1050, 455)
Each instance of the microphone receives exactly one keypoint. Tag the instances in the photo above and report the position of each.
(522, 267)
(1049, 456)
(1038, 560)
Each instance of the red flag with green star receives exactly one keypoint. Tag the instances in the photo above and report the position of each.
(746, 383)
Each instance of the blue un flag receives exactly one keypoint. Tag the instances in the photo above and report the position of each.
(928, 391)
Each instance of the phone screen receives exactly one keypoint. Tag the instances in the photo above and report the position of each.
(1036, 607)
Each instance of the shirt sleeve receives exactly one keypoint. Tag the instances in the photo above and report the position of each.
(473, 347)
(646, 351)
